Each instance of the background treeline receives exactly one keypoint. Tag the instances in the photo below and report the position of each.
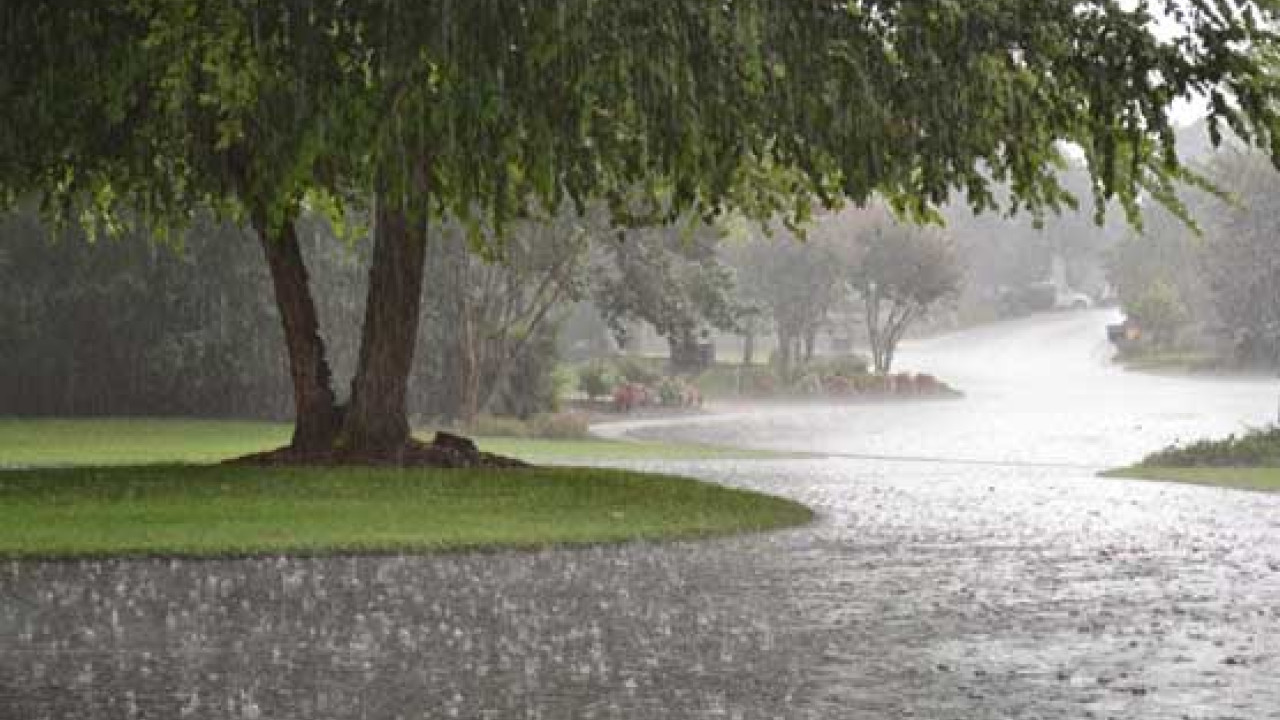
(123, 326)
(126, 326)
(1209, 298)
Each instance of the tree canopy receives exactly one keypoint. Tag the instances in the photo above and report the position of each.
(490, 109)
(900, 273)
(512, 100)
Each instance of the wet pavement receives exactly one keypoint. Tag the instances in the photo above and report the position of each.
(982, 572)
(1041, 390)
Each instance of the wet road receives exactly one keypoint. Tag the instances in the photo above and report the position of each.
(982, 572)
(1038, 390)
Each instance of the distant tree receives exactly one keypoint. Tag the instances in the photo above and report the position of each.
(671, 278)
(1005, 254)
(900, 273)
(1159, 277)
(793, 283)
(1191, 288)
(493, 319)
(1240, 260)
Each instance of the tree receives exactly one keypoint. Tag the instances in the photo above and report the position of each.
(1159, 276)
(900, 274)
(671, 278)
(1240, 262)
(1006, 255)
(483, 110)
(492, 319)
(794, 283)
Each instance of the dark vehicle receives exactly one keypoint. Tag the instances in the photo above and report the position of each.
(1026, 299)
(1124, 335)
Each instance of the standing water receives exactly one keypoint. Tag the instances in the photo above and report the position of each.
(1041, 390)
(967, 563)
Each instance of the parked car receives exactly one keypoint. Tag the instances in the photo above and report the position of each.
(1039, 297)
(1072, 300)
(1026, 299)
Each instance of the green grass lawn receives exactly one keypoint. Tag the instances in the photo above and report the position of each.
(1244, 478)
(147, 487)
(121, 441)
(233, 510)
(1170, 361)
(1247, 461)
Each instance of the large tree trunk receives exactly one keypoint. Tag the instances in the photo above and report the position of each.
(316, 416)
(376, 421)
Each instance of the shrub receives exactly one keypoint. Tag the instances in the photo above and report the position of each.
(671, 392)
(1253, 449)
(629, 396)
(1160, 311)
(759, 382)
(808, 383)
(905, 384)
(499, 426)
(928, 384)
(721, 380)
(551, 426)
(562, 381)
(559, 426)
(531, 387)
(634, 370)
(843, 365)
(596, 379)
(837, 385)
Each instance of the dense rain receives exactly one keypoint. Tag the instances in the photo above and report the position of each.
(639, 359)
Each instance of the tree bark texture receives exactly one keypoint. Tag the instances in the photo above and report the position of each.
(316, 415)
(376, 421)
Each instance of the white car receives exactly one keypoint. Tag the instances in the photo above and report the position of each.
(1072, 300)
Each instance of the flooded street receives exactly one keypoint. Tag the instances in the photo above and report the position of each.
(1039, 390)
(967, 564)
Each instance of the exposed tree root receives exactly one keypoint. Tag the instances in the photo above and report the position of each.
(446, 451)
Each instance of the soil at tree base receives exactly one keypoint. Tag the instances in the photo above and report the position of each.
(445, 451)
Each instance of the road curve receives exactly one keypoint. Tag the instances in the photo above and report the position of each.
(991, 581)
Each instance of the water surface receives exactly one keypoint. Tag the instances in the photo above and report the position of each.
(967, 564)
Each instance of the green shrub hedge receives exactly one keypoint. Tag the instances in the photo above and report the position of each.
(1256, 448)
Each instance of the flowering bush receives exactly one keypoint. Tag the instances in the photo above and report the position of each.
(629, 396)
